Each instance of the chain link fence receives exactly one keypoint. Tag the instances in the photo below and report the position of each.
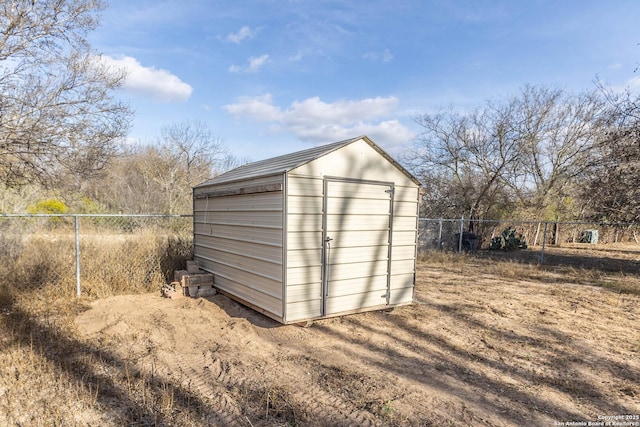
(458, 235)
(103, 255)
(94, 255)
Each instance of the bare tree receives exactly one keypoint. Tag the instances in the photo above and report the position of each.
(524, 151)
(465, 160)
(194, 149)
(57, 117)
(187, 154)
(611, 188)
(560, 134)
(158, 177)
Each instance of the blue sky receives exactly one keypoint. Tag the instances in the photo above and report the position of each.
(274, 76)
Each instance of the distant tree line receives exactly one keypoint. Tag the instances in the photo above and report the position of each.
(158, 177)
(541, 153)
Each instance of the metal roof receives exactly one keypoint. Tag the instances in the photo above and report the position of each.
(287, 162)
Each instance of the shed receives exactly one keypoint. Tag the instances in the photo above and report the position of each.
(322, 232)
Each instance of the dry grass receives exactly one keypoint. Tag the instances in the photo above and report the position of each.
(612, 267)
(110, 264)
(50, 376)
(47, 375)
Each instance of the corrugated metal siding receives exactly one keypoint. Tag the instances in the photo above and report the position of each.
(358, 160)
(239, 238)
(304, 247)
(354, 216)
(356, 275)
(403, 255)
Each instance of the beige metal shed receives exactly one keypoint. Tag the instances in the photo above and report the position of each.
(322, 232)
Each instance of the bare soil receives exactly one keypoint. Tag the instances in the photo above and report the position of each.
(483, 344)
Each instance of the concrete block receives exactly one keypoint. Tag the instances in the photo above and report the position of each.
(193, 267)
(206, 291)
(178, 274)
(191, 291)
(197, 280)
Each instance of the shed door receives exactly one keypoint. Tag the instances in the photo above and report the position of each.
(357, 221)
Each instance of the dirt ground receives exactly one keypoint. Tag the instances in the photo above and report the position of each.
(479, 346)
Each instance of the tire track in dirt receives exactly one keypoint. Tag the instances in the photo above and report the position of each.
(197, 375)
(211, 376)
(320, 406)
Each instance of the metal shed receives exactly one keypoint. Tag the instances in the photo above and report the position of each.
(322, 232)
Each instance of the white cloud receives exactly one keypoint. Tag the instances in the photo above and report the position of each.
(260, 108)
(242, 34)
(317, 121)
(156, 83)
(253, 65)
(384, 56)
(296, 57)
(313, 110)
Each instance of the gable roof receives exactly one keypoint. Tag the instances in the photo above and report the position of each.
(283, 164)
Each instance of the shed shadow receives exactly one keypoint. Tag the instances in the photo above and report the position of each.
(235, 309)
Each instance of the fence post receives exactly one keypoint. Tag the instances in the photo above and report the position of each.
(461, 230)
(440, 234)
(77, 227)
(544, 240)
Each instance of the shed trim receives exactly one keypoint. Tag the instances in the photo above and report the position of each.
(254, 189)
(285, 229)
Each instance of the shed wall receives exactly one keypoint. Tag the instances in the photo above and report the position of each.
(304, 228)
(358, 160)
(304, 247)
(262, 237)
(239, 238)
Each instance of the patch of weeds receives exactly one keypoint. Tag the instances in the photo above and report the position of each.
(274, 405)
(358, 389)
